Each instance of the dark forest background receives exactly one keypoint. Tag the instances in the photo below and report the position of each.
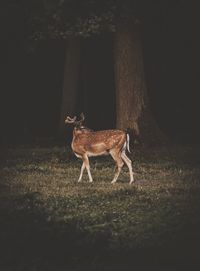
(32, 77)
(143, 76)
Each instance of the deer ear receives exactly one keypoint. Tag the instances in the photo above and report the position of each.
(82, 116)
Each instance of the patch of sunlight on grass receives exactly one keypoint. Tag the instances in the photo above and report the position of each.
(40, 196)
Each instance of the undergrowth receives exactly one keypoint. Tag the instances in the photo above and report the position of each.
(49, 221)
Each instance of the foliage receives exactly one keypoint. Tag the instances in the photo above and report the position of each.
(51, 222)
(60, 18)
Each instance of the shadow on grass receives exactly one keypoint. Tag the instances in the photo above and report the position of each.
(31, 240)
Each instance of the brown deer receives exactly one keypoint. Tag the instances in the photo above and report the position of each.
(86, 143)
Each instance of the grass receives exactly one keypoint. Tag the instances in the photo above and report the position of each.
(48, 221)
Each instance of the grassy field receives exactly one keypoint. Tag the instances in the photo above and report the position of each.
(48, 221)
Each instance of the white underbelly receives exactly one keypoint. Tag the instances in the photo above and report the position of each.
(77, 155)
(89, 154)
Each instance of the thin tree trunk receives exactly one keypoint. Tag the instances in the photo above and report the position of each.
(71, 80)
(132, 107)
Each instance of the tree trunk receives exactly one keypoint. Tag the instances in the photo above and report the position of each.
(132, 106)
(71, 80)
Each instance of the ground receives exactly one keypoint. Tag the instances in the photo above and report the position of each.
(49, 221)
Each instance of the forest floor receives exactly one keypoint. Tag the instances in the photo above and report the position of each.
(49, 221)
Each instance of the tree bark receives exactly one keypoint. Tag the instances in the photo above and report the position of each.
(132, 105)
(71, 81)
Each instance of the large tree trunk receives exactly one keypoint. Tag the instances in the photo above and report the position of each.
(132, 106)
(71, 81)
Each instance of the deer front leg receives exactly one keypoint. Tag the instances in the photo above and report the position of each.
(87, 165)
(81, 174)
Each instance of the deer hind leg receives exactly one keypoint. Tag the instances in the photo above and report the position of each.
(87, 165)
(129, 165)
(119, 163)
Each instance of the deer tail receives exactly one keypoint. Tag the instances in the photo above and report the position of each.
(127, 142)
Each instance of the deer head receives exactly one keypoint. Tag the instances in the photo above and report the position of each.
(74, 121)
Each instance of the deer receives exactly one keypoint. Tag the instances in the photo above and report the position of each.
(87, 143)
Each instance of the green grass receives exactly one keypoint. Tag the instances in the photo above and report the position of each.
(48, 221)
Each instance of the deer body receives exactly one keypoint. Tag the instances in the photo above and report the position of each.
(87, 143)
(96, 143)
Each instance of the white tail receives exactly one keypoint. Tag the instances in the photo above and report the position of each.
(88, 143)
(128, 140)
